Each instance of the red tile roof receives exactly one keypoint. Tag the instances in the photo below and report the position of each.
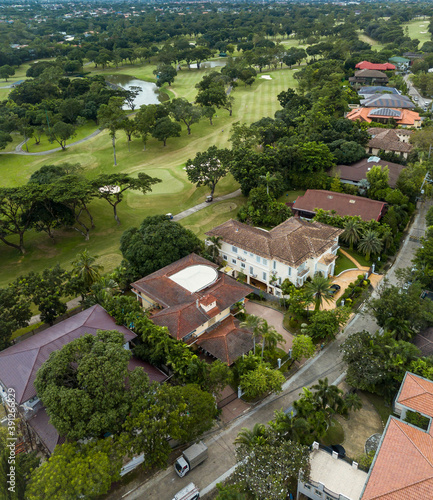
(403, 466)
(343, 204)
(226, 341)
(181, 312)
(377, 66)
(292, 242)
(20, 362)
(417, 393)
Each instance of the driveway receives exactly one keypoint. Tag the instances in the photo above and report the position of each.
(274, 318)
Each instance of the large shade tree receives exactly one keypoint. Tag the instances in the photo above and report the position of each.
(208, 167)
(86, 386)
(111, 187)
(155, 244)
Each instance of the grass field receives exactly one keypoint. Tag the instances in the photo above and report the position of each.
(174, 194)
(418, 29)
(375, 45)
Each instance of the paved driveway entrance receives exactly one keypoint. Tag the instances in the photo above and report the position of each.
(274, 318)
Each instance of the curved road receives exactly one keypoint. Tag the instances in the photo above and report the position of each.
(19, 148)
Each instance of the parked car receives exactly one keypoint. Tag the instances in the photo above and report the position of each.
(209, 199)
(333, 289)
(169, 216)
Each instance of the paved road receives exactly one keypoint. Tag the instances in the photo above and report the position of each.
(19, 148)
(416, 96)
(200, 206)
(327, 363)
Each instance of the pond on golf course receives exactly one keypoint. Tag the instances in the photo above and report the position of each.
(149, 91)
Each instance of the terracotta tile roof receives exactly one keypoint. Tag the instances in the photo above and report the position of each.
(20, 362)
(403, 468)
(417, 393)
(226, 341)
(388, 140)
(377, 66)
(343, 204)
(292, 242)
(407, 118)
(181, 312)
(358, 171)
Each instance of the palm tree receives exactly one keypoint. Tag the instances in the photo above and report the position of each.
(253, 323)
(370, 243)
(86, 270)
(319, 289)
(214, 247)
(268, 178)
(387, 238)
(352, 402)
(328, 397)
(351, 233)
(250, 438)
(270, 337)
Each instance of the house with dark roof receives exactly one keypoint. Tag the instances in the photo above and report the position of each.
(357, 172)
(339, 203)
(20, 363)
(195, 301)
(389, 140)
(295, 249)
(376, 89)
(387, 101)
(403, 465)
(368, 77)
(375, 66)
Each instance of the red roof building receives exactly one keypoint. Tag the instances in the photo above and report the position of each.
(403, 465)
(340, 203)
(375, 66)
(193, 300)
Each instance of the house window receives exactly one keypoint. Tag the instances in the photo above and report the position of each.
(279, 280)
(233, 261)
(289, 271)
(265, 262)
(275, 265)
(225, 257)
(258, 259)
(235, 249)
(245, 252)
(307, 486)
(277, 293)
(251, 254)
(265, 278)
(243, 265)
(251, 270)
(318, 493)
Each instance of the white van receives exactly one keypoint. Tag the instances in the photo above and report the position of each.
(190, 492)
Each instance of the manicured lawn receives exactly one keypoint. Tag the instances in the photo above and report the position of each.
(359, 257)
(334, 434)
(290, 196)
(174, 194)
(342, 264)
(375, 45)
(213, 215)
(418, 29)
(46, 145)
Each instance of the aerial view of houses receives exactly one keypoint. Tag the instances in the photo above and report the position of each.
(216, 250)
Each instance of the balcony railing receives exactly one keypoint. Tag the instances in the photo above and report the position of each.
(303, 272)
